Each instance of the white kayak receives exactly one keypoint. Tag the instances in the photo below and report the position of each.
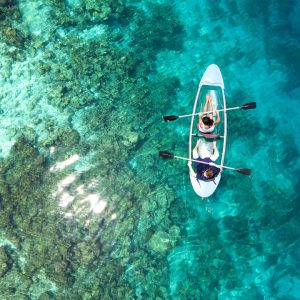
(211, 84)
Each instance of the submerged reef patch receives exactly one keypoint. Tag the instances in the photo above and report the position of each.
(77, 206)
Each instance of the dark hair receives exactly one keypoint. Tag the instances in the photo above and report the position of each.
(208, 121)
(210, 173)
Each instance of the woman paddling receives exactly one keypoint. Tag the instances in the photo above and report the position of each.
(206, 122)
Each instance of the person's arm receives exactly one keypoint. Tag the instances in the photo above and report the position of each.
(193, 173)
(216, 166)
(218, 118)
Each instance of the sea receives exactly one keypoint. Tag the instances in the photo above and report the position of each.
(88, 208)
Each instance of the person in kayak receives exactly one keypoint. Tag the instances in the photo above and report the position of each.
(207, 122)
(205, 172)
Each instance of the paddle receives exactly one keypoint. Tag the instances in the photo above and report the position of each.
(166, 154)
(207, 135)
(249, 105)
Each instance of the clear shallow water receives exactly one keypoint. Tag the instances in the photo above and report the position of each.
(88, 210)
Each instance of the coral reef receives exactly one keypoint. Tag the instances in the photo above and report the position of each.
(69, 227)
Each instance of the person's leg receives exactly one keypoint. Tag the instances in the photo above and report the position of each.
(216, 154)
(195, 150)
(206, 104)
(210, 108)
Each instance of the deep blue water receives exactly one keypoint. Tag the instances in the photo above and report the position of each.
(88, 209)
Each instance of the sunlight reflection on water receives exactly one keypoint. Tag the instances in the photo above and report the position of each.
(95, 203)
(65, 163)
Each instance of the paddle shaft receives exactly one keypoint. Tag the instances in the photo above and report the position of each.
(196, 134)
(209, 112)
(202, 162)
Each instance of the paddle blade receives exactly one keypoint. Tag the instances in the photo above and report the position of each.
(170, 118)
(207, 135)
(249, 105)
(210, 135)
(166, 154)
(244, 171)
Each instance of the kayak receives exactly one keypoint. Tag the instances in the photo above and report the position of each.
(210, 84)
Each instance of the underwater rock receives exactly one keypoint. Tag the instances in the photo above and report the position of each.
(41, 285)
(91, 11)
(174, 235)
(12, 36)
(23, 151)
(65, 137)
(3, 262)
(83, 253)
(46, 296)
(98, 10)
(22, 174)
(159, 242)
(129, 138)
(70, 138)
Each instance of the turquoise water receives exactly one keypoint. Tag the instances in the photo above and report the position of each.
(87, 208)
